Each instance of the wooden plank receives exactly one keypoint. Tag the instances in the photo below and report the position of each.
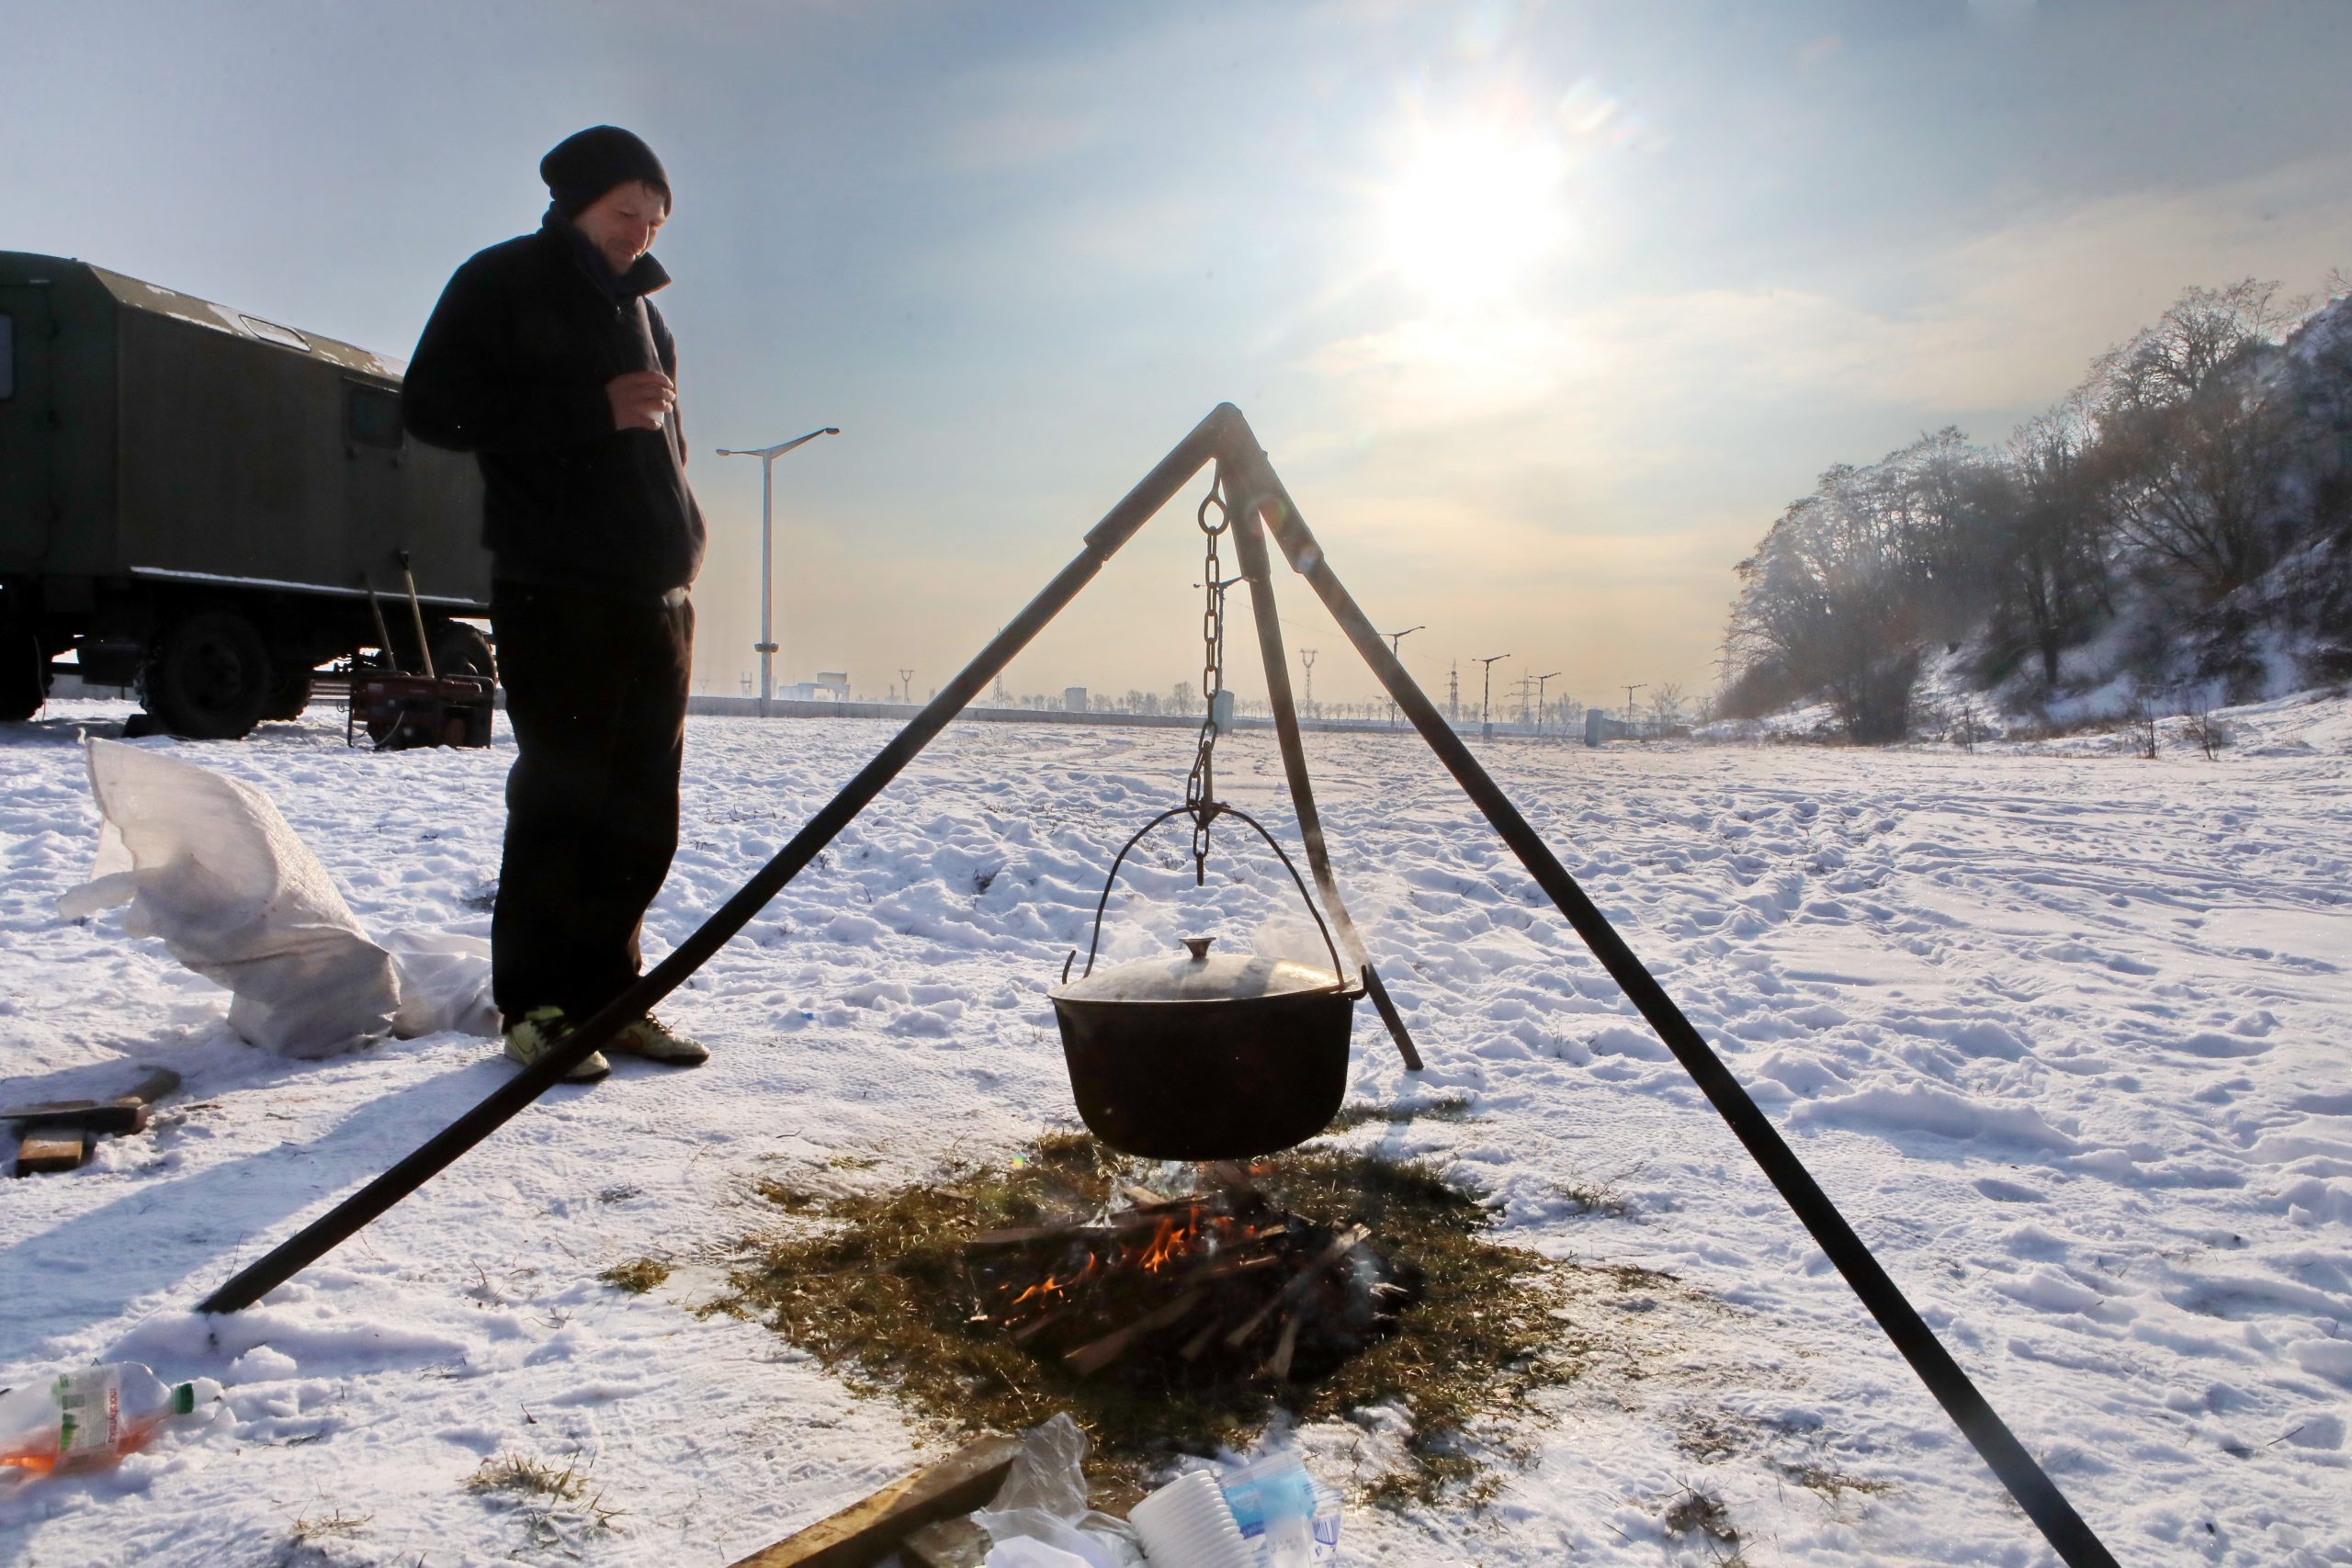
(122, 1114)
(867, 1532)
(52, 1149)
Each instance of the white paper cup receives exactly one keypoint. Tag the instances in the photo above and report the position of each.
(1187, 1524)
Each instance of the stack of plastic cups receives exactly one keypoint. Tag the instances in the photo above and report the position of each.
(1187, 1524)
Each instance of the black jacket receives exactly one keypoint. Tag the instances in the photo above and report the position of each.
(512, 368)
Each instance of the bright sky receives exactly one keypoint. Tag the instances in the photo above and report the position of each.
(1543, 310)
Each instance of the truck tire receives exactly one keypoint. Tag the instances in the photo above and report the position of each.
(289, 697)
(24, 672)
(461, 649)
(208, 677)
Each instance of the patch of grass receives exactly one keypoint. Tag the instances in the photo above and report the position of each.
(1698, 1513)
(1448, 1108)
(530, 1477)
(337, 1523)
(1833, 1486)
(637, 1276)
(543, 1493)
(1595, 1198)
(873, 1284)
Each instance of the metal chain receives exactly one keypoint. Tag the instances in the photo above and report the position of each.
(1200, 787)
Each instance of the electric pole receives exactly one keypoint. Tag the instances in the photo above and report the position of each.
(1454, 693)
(1487, 697)
(1395, 640)
(1539, 698)
(1306, 658)
(906, 686)
(1629, 703)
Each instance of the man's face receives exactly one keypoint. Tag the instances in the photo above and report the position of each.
(621, 223)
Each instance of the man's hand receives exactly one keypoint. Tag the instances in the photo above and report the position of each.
(640, 400)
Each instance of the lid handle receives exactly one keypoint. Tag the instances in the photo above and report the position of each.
(1200, 947)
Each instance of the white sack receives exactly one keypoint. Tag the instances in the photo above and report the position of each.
(443, 982)
(207, 865)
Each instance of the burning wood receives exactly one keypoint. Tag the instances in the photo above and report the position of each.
(1193, 1289)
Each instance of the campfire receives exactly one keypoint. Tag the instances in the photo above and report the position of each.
(1191, 1289)
(986, 1296)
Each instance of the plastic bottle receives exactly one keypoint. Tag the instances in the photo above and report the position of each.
(91, 1416)
(1273, 1502)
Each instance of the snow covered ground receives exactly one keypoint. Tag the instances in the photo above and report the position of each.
(2063, 1031)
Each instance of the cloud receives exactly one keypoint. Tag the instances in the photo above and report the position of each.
(2004, 321)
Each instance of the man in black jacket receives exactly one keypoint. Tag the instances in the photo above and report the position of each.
(545, 359)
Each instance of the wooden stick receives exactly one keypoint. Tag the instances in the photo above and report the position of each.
(1027, 1236)
(1299, 1284)
(1087, 1360)
(1200, 1342)
(1279, 1362)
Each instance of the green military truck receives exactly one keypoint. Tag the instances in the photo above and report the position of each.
(199, 503)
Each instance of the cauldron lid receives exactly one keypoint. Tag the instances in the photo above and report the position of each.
(1197, 977)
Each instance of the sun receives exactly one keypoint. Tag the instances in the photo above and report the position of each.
(1472, 211)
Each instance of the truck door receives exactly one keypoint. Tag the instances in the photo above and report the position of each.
(29, 427)
(372, 487)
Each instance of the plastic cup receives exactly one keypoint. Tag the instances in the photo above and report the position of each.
(1187, 1524)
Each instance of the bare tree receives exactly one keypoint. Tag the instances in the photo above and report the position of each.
(1668, 709)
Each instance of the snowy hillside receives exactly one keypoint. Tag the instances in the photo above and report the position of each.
(2063, 1032)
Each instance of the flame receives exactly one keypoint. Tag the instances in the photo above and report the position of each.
(1054, 1287)
(1171, 1241)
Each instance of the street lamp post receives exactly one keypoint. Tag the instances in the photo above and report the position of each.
(1395, 638)
(765, 647)
(1487, 697)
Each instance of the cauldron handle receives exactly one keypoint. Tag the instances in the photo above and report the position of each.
(1209, 812)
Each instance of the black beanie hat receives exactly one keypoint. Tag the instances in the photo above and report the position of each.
(583, 166)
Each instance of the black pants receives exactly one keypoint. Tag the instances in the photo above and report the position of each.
(596, 692)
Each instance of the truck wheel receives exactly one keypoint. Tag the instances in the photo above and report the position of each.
(461, 649)
(208, 677)
(289, 697)
(24, 672)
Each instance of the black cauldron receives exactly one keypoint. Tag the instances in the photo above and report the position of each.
(1200, 1057)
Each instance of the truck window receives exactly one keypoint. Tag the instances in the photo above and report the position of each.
(371, 415)
(7, 355)
(270, 332)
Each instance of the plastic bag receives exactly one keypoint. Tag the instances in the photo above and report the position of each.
(208, 865)
(1027, 1551)
(1044, 1499)
(444, 982)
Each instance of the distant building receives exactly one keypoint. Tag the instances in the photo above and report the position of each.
(829, 686)
(1598, 727)
(1074, 699)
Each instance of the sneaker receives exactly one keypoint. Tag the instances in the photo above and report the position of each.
(656, 1041)
(536, 1033)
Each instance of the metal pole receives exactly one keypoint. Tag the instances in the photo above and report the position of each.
(766, 647)
(1540, 680)
(319, 1237)
(2016, 1468)
(1250, 544)
(767, 581)
(1396, 646)
(1486, 694)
